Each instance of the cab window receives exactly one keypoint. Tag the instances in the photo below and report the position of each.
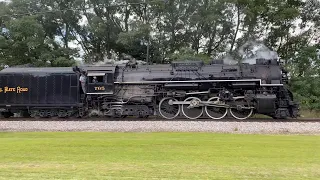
(95, 79)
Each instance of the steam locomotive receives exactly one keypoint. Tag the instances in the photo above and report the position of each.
(187, 89)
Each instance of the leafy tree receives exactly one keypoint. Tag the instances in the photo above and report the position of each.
(187, 54)
(26, 43)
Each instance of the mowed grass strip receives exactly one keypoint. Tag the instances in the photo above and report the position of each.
(98, 155)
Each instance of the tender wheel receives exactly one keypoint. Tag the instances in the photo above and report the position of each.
(167, 110)
(7, 114)
(240, 113)
(43, 113)
(215, 112)
(62, 113)
(34, 113)
(192, 112)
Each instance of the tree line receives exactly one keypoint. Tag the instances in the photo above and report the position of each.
(44, 32)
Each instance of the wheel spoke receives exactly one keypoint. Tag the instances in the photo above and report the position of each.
(215, 112)
(240, 113)
(167, 110)
(191, 111)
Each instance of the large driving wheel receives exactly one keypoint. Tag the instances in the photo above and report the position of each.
(241, 110)
(215, 112)
(191, 110)
(168, 110)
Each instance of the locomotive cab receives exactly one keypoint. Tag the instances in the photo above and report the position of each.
(100, 80)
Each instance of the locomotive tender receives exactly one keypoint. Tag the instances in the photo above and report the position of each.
(190, 89)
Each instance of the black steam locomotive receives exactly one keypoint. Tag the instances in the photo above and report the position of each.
(190, 89)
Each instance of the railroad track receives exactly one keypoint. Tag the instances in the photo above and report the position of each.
(162, 119)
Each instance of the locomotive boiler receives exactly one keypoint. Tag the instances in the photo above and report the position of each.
(189, 89)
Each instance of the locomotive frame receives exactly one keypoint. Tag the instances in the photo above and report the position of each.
(190, 89)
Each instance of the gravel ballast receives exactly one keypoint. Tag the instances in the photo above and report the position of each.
(165, 126)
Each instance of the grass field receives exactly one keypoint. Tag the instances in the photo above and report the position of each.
(84, 155)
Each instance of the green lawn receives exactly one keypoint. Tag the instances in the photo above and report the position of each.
(84, 155)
